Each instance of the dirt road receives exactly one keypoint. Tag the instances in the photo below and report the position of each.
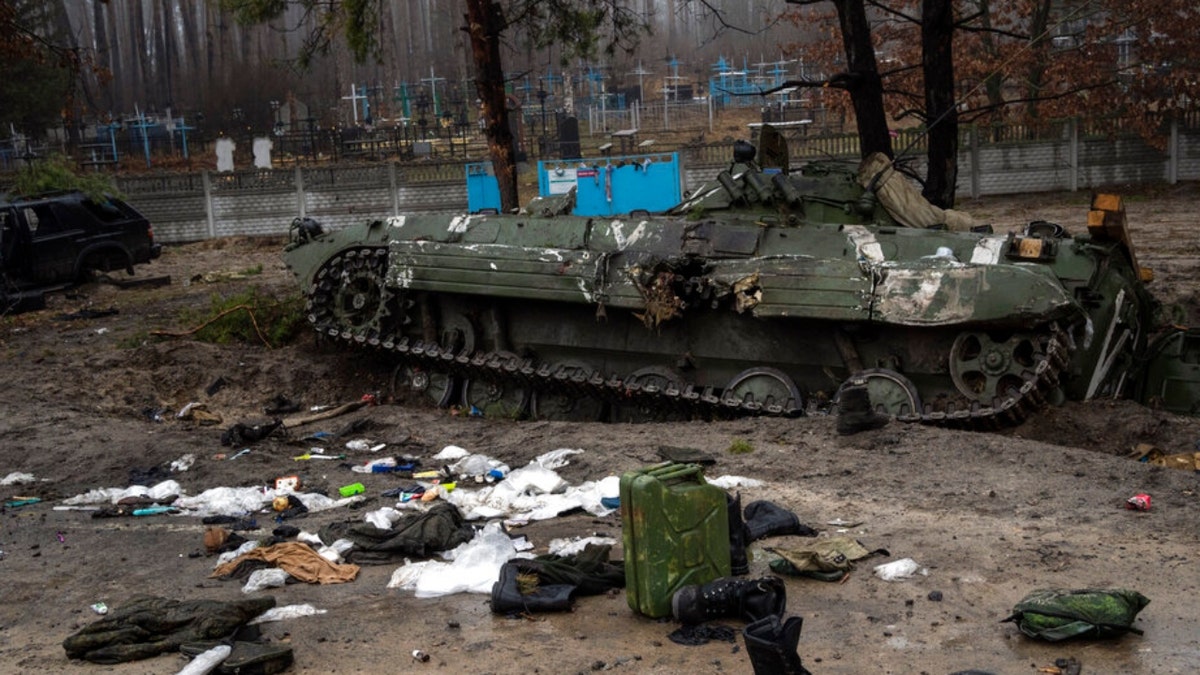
(989, 517)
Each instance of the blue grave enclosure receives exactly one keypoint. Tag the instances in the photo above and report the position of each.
(483, 191)
(615, 185)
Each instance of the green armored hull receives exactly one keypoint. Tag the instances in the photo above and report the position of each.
(761, 294)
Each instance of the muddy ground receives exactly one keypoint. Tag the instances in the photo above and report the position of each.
(989, 516)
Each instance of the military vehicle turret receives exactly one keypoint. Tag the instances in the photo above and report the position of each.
(762, 293)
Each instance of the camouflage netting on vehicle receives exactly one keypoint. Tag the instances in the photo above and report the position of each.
(1056, 614)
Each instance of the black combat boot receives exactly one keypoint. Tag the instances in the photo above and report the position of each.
(745, 599)
(739, 564)
(521, 593)
(855, 413)
(771, 645)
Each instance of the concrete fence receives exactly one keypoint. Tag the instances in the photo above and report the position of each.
(195, 206)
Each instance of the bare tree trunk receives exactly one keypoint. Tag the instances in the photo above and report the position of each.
(484, 24)
(937, 62)
(1038, 45)
(863, 82)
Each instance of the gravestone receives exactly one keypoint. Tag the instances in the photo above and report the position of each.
(568, 138)
(225, 148)
(262, 153)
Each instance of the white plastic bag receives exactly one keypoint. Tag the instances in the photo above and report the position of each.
(898, 569)
(206, 662)
(270, 577)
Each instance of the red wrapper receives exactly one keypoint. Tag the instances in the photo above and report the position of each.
(1138, 502)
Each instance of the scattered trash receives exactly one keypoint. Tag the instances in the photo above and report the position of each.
(183, 463)
(1056, 614)
(270, 577)
(198, 412)
(280, 405)
(1188, 461)
(242, 434)
(1068, 666)
(155, 510)
(364, 445)
(382, 465)
(216, 386)
(18, 478)
(730, 482)
(899, 569)
(239, 453)
(1138, 502)
(287, 483)
(420, 656)
(351, 489)
(286, 612)
(842, 522)
(308, 455)
(100, 608)
(207, 661)
(17, 502)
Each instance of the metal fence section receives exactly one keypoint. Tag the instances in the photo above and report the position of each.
(202, 205)
(1063, 155)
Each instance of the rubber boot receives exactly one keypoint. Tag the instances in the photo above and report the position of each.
(727, 597)
(509, 596)
(765, 519)
(739, 564)
(855, 413)
(771, 645)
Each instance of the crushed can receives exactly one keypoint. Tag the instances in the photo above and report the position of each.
(675, 530)
(1138, 502)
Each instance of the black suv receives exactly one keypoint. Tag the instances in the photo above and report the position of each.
(62, 237)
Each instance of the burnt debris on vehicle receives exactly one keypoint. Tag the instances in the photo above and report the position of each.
(60, 238)
(762, 293)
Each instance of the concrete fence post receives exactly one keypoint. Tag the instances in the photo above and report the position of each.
(976, 179)
(1173, 152)
(393, 188)
(1073, 154)
(301, 202)
(206, 181)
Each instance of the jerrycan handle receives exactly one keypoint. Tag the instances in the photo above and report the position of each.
(671, 471)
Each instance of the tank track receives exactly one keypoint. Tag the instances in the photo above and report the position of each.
(1017, 405)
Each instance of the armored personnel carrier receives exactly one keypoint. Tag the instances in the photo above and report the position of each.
(762, 293)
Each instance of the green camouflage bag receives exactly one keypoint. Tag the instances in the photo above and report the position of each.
(1056, 614)
(827, 559)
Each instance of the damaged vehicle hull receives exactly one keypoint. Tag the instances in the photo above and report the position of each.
(762, 294)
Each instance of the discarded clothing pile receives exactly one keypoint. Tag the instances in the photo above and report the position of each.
(296, 558)
(421, 535)
(548, 583)
(149, 625)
